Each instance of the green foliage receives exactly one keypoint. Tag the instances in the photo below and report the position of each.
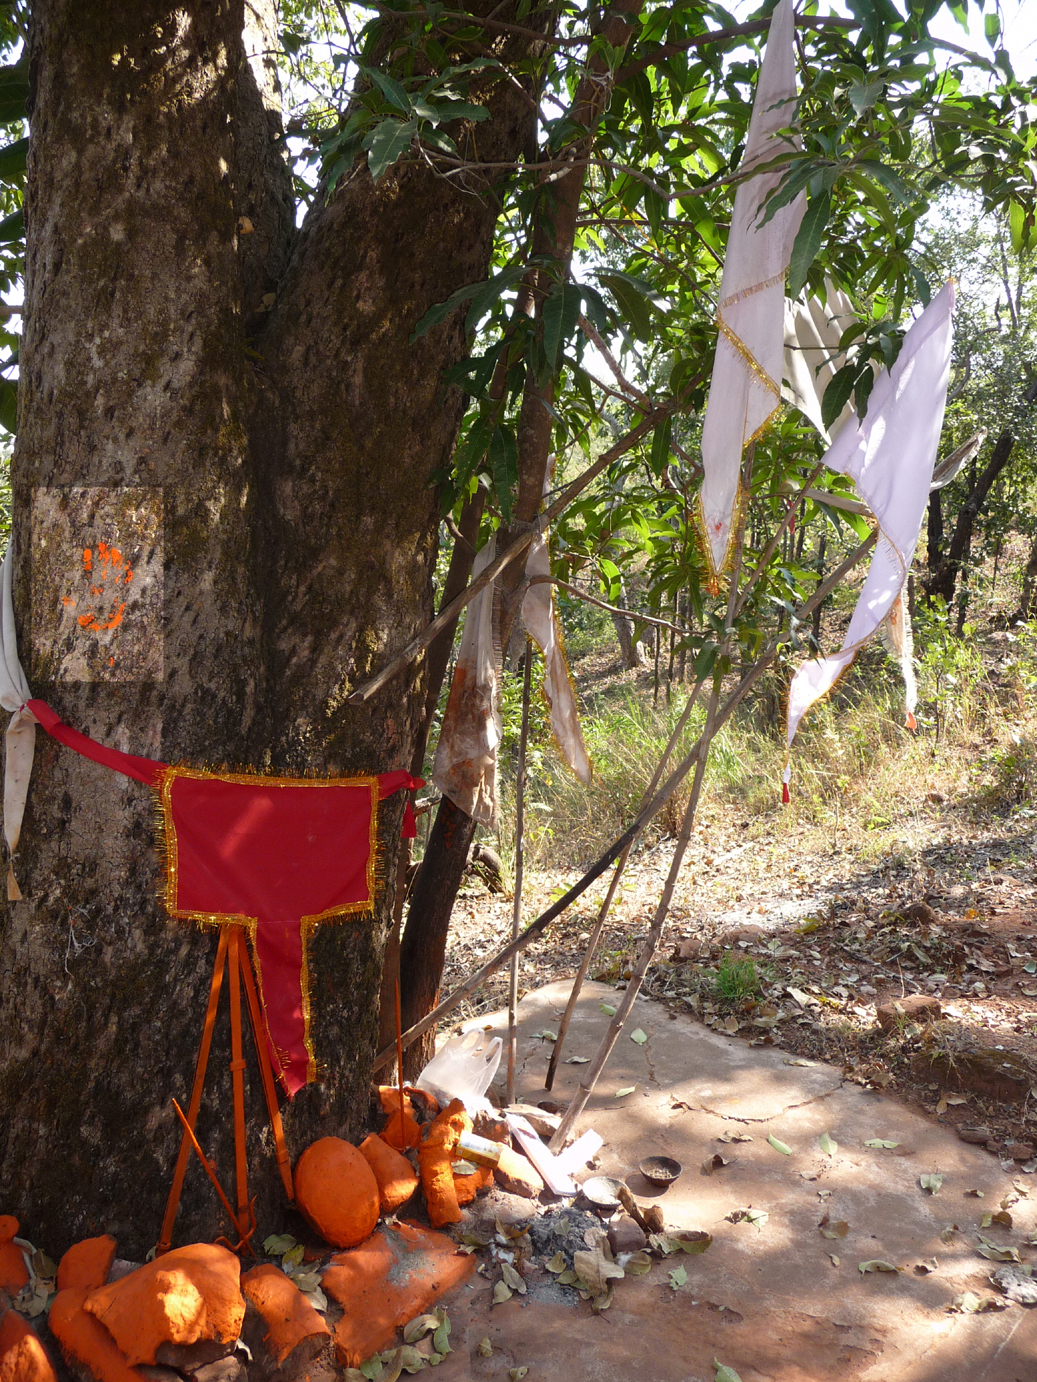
(737, 978)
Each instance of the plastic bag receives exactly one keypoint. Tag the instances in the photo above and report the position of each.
(462, 1069)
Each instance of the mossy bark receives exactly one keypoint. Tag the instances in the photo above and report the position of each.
(289, 448)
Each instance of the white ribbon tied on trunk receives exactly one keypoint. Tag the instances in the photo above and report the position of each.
(20, 739)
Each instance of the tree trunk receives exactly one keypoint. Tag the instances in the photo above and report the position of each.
(267, 473)
(942, 578)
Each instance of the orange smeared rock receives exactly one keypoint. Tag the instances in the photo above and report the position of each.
(13, 1272)
(22, 1356)
(396, 1179)
(467, 1187)
(401, 1130)
(189, 1294)
(293, 1326)
(86, 1263)
(336, 1191)
(397, 1274)
(81, 1337)
(436, 1158)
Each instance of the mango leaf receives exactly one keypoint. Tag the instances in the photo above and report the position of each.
(12, 159)
(779, 1146)
(388, 141)
(725, 1374)
(808, 241)
(504, 467)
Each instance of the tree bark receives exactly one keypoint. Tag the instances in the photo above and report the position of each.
(277, 462)
(942, 578)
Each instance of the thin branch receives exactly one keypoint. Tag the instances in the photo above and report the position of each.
(612, 609)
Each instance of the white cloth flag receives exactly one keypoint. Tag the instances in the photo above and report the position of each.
(465, 768)
(890, 457)
(541, 621)
(20, 739)
(745, 389)
(812, 355)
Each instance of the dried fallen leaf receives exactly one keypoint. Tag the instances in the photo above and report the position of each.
(424, 1324)
(734, 1137)
(627, 1089)
(876, 1264)
(607, 1009)
(931, 1182)
(484, 1348)
(995, 1253)
(797, 1060)
(835, 1260)
(714, 1163)
(678, 1278)
(596, 1268)
(975, 1194)
(927, 1265)
(638, 1264)
(578, 1060)
(278, 1244)
(781, 1147)
(638, 1036)
(512, 1277)
(1001, 1217)
(691, 1241)
(757, 1217)
(501, 1293)
(517, 1374)
(557, 1263)
(828, 1144)
(725, 1374)
(881, 1142)
(968, 1303)
(410, 1360)
(947, 1233)
(837, 1228)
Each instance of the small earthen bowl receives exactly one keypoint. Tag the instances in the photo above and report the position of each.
(660, 1171)
(602, 1191)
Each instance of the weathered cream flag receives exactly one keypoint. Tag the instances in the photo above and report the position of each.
(890, 456)
(745, 390)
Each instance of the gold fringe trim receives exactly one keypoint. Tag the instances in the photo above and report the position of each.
(748, 292)
(750, 360)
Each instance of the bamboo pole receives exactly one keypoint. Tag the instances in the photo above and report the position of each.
(599, 924)
(586, 1086)
(516, 910)
(540, 924)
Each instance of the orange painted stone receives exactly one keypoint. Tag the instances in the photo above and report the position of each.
(397, 1274)
(184, 1296)
(13, 1272)
(86, 1263)
(436, 1159)
(22, 1356)
(396, 1177)
(336, 1191)
(82, 1338)
(291, 1321)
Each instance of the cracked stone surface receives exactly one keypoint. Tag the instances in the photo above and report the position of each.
(768, 1302)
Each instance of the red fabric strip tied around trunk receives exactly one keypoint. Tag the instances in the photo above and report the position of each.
(276, 855)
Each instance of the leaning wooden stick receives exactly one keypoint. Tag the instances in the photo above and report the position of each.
(595, 936)
(516, 910)
(608, 1041)
(539, 926)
